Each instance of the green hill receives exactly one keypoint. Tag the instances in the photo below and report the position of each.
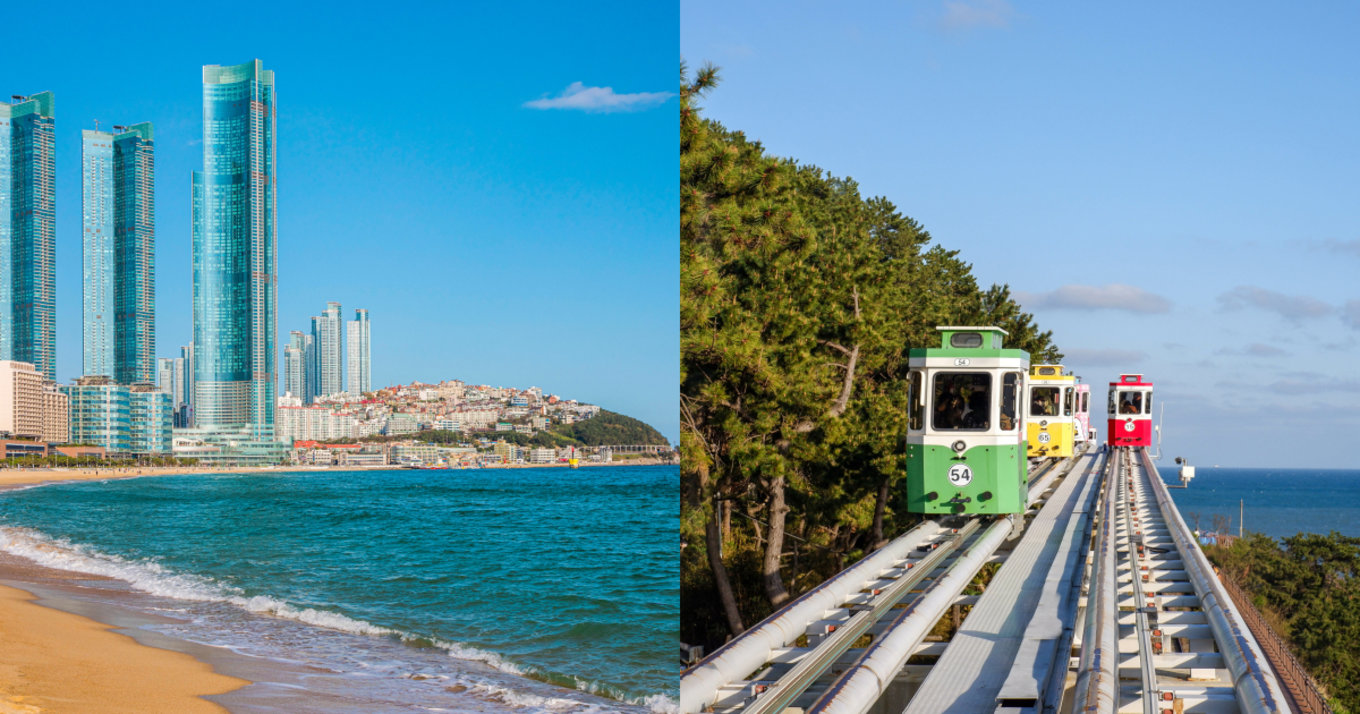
(610, 428)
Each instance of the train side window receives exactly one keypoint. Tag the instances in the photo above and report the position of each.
(1114, 402)
(1043, 401)
(916, 398)
(1085, 402)
(1010, 395)
(1067, 401)
(1147, 404)
(962, 401)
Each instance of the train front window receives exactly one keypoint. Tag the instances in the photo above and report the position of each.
(1067, 401)
(1043, 401)
(916, 398)
(1010, 395)
(962, 401)
(1130, 402)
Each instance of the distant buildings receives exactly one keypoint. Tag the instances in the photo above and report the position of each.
(314, 366)
(295, 357)
(235, 269)
(119, 253)
(360, 378)
(28, 233)
(326, 360)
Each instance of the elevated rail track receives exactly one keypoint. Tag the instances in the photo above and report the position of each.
(1105, 604)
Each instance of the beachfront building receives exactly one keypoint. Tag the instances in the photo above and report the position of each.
(100, 414)
(315, 422)
(119, 253)
(28, 233)
(56, 415)
(360, 377)
(21, 401)
(326, 355)
(234, 255)
(152, 420)
(123, 419)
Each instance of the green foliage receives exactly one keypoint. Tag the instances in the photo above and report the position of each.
(606, 428)
(1307, 587)
(799, 301)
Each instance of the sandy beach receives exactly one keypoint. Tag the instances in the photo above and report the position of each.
(55, 661)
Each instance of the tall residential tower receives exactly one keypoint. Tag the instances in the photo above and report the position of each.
(119, 251)
(235, 257)
(28, 233)
(327, 332)
(359, 379)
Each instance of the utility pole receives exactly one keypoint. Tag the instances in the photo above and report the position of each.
(1240, 511)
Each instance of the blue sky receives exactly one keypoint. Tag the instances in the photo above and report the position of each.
(494, 182)
(1170, 188)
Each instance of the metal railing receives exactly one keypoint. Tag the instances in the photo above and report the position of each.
(1299, 686)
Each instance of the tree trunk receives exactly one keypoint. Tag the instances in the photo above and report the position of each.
(880, 507)
(713, 542)
(713, 539)
(774, 546)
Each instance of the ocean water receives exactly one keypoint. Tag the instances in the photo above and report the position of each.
(400, 586)
(1276, 502)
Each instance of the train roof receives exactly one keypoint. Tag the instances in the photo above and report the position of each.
(1050, 372)
(965, 340)
(1130, 380)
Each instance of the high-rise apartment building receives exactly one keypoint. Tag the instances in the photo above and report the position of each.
(326, 336)
(184, 370)
(359, 378)
(165, 376)
(28, 233)
(119, 253)
(295, 366)
(235, 258)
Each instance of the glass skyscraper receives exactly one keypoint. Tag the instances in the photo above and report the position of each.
(28, 233)
(359, 379)
(119, 251)
(235, 258)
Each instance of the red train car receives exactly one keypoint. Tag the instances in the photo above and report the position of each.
(1130, 414)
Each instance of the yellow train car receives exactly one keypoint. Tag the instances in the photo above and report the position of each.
(1051, 397)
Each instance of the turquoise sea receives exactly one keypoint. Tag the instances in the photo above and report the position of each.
(1276, 502)
(531, 588)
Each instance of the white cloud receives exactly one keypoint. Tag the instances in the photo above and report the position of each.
(1291, 307)
(1090, 297)
(598, 99)
(962, 15)
(1256, 349)
(1104, 357)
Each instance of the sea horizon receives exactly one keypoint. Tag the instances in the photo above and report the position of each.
(1278, 502)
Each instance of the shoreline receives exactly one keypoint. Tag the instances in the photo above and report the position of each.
(93, 646)
(95, 668)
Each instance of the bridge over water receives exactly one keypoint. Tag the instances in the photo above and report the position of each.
(1103, 603)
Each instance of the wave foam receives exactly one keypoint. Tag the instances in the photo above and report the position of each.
(150, 577)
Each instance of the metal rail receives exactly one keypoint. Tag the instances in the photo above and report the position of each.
(1183, 647)
(757, 672)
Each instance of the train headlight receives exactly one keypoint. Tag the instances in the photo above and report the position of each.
(959, 446)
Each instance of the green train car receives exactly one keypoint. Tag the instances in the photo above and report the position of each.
(965, 425)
